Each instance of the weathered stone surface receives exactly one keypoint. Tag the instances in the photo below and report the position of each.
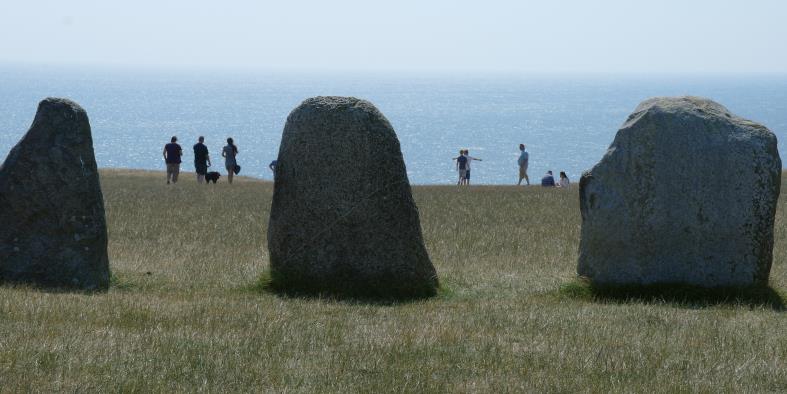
(343, 219)
(53, 231)
(685, 194)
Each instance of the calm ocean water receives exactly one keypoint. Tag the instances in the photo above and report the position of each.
(567, 122)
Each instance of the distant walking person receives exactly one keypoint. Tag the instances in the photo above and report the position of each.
(229, 152)
(469, 159)
(563, 182)
(548, 180)
(461, 167)
(201, 159)
(523, 159)
(272, 166)
(172, 154)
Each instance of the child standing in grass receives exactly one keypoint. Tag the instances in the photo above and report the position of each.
(461, 167)
(469, 159)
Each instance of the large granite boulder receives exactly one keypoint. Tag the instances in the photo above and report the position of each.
(53, 231)
(343, 220)
(686, 194)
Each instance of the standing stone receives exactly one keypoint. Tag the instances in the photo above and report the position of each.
(686, 194)
(343, 220)
(53, 231)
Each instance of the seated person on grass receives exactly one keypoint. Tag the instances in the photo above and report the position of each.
(548, 180)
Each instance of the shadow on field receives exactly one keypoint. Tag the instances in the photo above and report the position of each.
(51, 290)
(680, 295)
(264, 285)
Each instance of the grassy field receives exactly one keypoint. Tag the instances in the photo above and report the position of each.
(186, 311)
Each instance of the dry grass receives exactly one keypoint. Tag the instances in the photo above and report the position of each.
(197, 323)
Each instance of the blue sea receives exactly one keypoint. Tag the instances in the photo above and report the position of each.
(567, 121)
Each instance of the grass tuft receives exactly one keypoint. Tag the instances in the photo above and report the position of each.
(446, 292)
(118, 283)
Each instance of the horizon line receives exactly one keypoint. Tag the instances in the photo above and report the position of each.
(431, 71)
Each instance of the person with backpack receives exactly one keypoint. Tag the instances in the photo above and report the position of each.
(229, 152)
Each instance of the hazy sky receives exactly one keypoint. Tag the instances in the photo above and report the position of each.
(401, 35)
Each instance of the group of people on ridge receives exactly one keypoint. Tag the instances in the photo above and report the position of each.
(463, 166)
(173, 153)
(548, 180)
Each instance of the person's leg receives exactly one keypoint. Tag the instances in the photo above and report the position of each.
(169, 172)
(200, 178)
(467, 178)
(229, 175)
(521, 175)
(175, 172)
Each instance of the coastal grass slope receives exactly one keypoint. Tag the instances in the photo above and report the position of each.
(187, 311)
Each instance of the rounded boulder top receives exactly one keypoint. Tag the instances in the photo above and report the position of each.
(333, 103)
(325, 111)
(343, 220)
(692, 109)
(59, 103)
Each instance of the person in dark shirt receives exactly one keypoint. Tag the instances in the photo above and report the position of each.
(172, 154)
(201, 159)
(461, 167)
(548, 180)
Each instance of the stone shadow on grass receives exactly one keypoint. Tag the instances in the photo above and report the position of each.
(265, 284)
(686, 296)
(51, 289)
(115, 283)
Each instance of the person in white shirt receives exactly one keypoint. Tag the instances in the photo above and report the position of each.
(563, 180)
(469, 159)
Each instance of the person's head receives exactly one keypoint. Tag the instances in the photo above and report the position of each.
(173, 139)
(549, 172)
(461, 152)
(563, 175)
(521, 146)
(230, 141)
(466, 152)
(201, 139)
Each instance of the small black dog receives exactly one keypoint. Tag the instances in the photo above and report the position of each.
(212, 176)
